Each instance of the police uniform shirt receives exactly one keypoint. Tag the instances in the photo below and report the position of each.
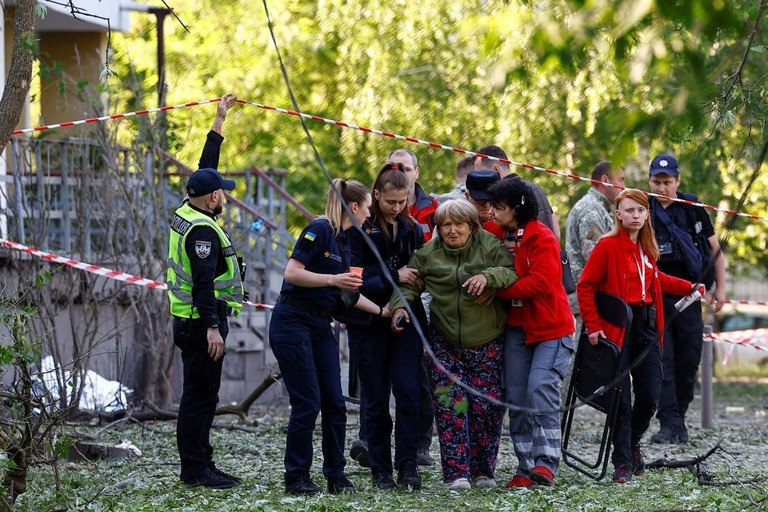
(692, 219)
(318, 250)
(207, 262)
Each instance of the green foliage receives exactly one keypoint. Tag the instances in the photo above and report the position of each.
(560, 84)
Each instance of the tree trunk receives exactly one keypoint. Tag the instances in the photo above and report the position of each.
(20, 72)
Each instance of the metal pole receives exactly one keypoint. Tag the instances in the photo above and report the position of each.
(706, 378)
(162, 119)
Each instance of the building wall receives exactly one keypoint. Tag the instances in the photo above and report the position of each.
(81, 55)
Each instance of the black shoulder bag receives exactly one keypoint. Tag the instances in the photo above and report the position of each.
(699, 266)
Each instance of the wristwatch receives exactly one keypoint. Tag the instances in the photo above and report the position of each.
(214, 326)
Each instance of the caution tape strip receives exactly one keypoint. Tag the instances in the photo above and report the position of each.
(748, 338)
(102, 271)
(149, 283)
(461, 151)
(113, 116)
(382, 133)
(743, 302)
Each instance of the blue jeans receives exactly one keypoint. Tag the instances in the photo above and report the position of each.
(389, 362)
(308, 355)
(632, 420)
(533, 375)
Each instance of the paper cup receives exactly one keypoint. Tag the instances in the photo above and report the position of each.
(356, 270)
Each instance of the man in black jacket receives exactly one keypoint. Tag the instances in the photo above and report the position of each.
(683, 331)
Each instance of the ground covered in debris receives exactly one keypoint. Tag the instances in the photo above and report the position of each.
(734, 477)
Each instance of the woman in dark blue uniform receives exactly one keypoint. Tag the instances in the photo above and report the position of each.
(302, 340)
(387, 361)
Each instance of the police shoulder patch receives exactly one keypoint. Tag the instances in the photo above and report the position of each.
(202, 248)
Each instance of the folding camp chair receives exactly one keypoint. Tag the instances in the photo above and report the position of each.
(595, 367)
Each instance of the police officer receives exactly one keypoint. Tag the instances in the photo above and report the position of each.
(204, 287)
(683, 331)
(304, 345)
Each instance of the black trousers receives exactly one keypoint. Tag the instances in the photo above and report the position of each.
(202, 378)
(389, 363)
(633, 418)
(683, 339)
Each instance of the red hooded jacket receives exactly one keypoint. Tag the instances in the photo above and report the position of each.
(607, 270)
(545, 313)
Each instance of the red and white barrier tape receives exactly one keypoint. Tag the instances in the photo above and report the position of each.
(747, 338)
(383, 134)
(488, 157)
(743, 302)
(113, 116)
(102, 271)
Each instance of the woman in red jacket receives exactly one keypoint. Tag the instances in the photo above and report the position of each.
(538, 340)
(623, 263)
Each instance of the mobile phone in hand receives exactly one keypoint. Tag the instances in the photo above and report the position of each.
(400, 323)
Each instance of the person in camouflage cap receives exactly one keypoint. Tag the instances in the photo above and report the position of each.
(591, 218)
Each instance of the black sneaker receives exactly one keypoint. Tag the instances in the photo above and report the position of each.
(302, 485)
(638, 464)
(408, 476)
(207, 478)
(359, 452)
(341, 485)
(382, 478)
(665, 435)
(423, 458)
(213, 469)
(622, 475)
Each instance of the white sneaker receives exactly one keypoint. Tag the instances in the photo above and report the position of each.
(485, 482)
(460, 484)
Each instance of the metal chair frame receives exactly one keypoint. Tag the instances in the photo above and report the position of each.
(594, 367)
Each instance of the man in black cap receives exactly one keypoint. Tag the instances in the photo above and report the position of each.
(546, 214)
(683, 330)
(478, 183)
(204, 287)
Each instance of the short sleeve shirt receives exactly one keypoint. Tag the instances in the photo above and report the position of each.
(320, 253)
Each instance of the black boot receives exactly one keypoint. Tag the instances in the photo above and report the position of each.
(342, 485)
(382, 478)
(302, 485)
(408, 476)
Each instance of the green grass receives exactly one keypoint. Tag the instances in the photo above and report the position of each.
(150, 482)
(741, 371)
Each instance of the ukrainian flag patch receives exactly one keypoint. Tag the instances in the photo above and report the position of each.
(310, 236)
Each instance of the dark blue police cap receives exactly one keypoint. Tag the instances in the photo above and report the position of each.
(205, 181)
(478, 183)
(664, 164)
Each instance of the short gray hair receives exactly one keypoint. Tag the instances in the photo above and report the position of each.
(459, 210)
(403, 153)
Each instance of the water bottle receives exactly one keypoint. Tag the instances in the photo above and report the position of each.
(687, 300)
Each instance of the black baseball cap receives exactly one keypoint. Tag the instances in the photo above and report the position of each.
(664, 164)
(478, 183)
(204, 181)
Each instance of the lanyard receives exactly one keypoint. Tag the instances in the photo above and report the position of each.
(512, 240)
(641, 271)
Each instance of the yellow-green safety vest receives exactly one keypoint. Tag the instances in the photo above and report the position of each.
(227, 287)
